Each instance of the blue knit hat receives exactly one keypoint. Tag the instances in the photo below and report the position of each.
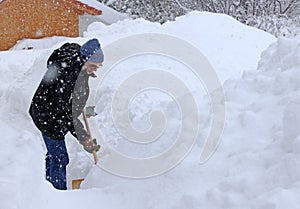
(91, 51)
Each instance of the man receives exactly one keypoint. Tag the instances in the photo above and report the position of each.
(58, 102)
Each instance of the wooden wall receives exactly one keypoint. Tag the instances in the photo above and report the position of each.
(20, 19)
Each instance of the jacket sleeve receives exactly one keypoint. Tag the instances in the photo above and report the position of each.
(79, 98)
(79, 132)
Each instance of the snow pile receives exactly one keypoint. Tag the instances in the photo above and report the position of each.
(263, 108)
(255, 165)
(222, 39)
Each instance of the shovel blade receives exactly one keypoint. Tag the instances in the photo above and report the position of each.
(76, 183)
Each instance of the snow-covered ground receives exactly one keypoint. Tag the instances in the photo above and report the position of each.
(255, 165)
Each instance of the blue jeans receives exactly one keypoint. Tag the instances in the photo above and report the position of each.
(57, 160)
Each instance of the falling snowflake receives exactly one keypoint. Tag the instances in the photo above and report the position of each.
(38, 33)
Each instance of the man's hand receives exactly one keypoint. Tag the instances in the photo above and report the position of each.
(90, 144)
(90, 111)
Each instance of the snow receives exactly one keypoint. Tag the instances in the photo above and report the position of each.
(255, 165)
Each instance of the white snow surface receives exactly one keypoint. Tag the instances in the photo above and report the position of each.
(255, 165)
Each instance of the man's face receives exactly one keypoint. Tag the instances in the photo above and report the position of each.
(92, 67)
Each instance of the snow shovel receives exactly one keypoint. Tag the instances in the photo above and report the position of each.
(76, 182)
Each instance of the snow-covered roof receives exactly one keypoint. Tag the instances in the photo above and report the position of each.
(85, 7)
(108, 15)
(91, 3)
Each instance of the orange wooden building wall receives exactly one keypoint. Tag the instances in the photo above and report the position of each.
(20, 19)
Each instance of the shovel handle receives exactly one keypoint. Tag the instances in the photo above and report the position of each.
(86, 123)
(95, 157)
(89, 133)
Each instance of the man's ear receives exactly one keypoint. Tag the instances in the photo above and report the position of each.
(93, 75)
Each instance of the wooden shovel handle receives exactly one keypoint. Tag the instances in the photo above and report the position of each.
(89, 133)
(86, 123)
(95, 157)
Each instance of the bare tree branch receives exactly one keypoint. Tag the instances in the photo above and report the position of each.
(288, 7)
(183, 7)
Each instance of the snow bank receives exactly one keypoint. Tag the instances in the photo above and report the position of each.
(266, 122)
(222, 39)
(255, 165)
